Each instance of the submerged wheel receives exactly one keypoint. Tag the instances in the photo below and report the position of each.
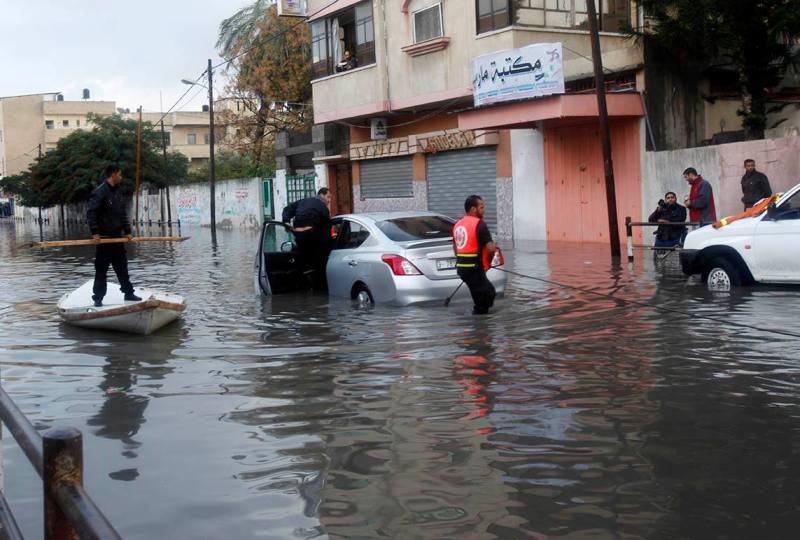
(721, 275)
(362, 295)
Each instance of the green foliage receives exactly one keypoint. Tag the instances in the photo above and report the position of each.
(230, 165)
(70, 172)
(753, 38)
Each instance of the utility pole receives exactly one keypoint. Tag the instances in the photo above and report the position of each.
(40, 208)
(164, 148)
(605, 134)
(138, 165)
(212, 176)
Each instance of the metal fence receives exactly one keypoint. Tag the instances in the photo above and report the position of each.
(300, 187)
(57, 455)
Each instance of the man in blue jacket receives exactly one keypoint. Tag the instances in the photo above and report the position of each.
(107, 218)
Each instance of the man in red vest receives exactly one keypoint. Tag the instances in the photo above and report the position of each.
(474, 249)
(700, 201)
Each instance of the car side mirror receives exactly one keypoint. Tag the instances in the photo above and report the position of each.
(772, 212)
(287, 246)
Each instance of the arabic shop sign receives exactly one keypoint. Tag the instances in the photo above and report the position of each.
(438, 141)
(532, 71)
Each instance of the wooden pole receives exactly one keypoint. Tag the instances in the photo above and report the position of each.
(605, 134)
(212, 170)
(164, 149)
(62, 457)
(122, 240)
(138, 164)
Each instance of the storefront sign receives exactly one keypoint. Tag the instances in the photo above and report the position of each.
(439, 141)
(532, 71)
(291, 8)
(377, 129)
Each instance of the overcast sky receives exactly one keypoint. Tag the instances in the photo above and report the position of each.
(122, 51)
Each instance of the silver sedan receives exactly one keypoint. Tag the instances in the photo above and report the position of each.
(399, 258)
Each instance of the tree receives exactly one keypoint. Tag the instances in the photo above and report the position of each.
(753, 38)
(230, 165)
(70, 171)
(269, 59)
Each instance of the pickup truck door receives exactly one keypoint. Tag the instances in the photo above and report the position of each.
(776, 243)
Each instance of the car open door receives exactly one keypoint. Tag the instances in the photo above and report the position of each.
(278, 263)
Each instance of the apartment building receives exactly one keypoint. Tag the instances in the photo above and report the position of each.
(186, 132)
(418, 140)
(35, 122)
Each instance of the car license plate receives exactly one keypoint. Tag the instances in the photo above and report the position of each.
(445, 264)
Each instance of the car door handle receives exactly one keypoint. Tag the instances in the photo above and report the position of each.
(352, 263)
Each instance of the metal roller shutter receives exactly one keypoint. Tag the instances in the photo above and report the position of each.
(453, 176)
(386, 178)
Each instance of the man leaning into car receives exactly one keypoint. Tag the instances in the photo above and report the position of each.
(474, 249)
(312, 230)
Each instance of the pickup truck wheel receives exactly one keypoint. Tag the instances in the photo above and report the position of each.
(721, 275)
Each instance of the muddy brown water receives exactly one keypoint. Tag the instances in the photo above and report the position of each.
(562, 414)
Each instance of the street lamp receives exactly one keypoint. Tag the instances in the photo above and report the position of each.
(212, 172)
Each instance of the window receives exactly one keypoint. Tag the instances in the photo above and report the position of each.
(48, 124)
(789, 209)
(77, 123)
(614, 15)
(65, 123)
(348, 234)
(206, 138)
(495, 14)
(166, 139)
(191, 138)
(416, 228)
(352, 30)
(428, 23)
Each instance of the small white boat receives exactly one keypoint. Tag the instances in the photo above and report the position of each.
(154, 310)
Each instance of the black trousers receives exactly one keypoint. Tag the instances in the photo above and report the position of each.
(480, 288)
(313, 253)
(113, 254)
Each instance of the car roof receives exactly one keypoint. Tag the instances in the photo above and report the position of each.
(383, 216)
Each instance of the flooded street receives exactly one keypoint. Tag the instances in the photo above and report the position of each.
(561, 414)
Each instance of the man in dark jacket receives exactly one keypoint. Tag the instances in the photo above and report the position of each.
(311, 223)
(668, 211)
(755, 184)
(107, 218)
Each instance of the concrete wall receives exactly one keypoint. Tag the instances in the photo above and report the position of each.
(722, 166)
(529, 216)
(238, 203)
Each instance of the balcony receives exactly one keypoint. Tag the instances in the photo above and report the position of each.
(354, 93)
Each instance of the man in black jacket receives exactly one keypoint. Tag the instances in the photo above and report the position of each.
(107, 217)
(668, 211)
(312, 230)
(755, 184)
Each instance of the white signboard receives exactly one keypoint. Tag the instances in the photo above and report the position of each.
(377, 128)
(531, 71)
(292, 8)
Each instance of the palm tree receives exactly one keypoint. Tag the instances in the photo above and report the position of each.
(242, 27)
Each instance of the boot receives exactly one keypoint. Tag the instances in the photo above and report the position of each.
(130, 297)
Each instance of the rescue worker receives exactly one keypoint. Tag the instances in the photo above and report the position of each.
(311, 222)
(106, 217)
(474, 249)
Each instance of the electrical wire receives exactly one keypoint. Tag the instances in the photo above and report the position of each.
(651, 306)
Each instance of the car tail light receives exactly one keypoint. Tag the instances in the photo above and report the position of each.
(498, 259)
(400, 265)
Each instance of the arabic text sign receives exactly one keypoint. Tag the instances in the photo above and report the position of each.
(291, 8)
(531, 71)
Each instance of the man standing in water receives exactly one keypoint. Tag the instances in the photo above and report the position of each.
(106, 216)
(474, 249)
(311, 223)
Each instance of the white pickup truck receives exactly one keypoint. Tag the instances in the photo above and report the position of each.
(760, 249)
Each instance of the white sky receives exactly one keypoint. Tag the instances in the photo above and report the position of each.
(122, 51)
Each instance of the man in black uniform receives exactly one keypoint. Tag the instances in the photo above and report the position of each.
(474, 249)
(312, 230)
(107, 217)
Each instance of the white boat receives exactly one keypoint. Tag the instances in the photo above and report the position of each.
(154, 310)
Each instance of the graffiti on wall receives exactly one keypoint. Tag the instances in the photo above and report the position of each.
(189, 209)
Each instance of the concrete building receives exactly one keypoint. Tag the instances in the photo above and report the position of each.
(36, 122)
(536, 162)
(186, 132)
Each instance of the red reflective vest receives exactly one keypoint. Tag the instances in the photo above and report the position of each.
(465, 236)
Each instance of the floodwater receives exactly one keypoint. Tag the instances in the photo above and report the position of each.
(562, 414)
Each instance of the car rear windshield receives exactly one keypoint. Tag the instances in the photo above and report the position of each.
(416, 228)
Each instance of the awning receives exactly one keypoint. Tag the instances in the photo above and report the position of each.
(568, 106)
(332, 8)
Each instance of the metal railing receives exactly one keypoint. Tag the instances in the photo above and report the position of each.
(57, 455)
(630, 224)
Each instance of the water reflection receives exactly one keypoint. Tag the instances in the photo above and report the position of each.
(561, 414)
